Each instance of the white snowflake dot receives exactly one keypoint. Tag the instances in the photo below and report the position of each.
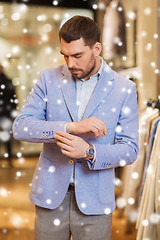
(155, 35)
(121, 202)
(3, 192)
(19, 154)
(65, 81)
(4, 231)
(154, 218)
(145, 222)
(51, 169)
(18, 174)
(3, 86)
(48, 201)
(118, 129)
(107, 211)
(78, 103)
(83, 205)
(61, 208)
(131, 201)
(117, 182)
(57, 222)
(135, 175)
(6, 155)
(122, 163)
(123, 89)
(59, 101)
(25, 129)
(156, 71)
(23, 87)
(126, 110)
(109, 83)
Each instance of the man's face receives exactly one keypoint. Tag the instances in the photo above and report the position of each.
(80, 59)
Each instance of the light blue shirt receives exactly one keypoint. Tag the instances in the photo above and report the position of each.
(84, 91)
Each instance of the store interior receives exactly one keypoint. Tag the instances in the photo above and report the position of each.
(29, 43)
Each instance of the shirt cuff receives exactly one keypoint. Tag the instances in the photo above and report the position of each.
(65, 126)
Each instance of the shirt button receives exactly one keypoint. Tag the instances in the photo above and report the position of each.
(71, 161)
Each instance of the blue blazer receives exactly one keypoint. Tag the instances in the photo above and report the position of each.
(51, 104)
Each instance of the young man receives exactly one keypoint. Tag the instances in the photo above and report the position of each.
(87, 117)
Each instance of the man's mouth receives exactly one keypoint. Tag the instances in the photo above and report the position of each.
(74, 71)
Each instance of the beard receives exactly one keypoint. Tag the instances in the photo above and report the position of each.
(81, 74)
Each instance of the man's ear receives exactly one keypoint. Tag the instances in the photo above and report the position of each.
(97, 49)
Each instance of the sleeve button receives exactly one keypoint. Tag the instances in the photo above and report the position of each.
(71, 161)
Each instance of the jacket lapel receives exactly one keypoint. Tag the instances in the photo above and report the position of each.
(68, 88)
(103, 87)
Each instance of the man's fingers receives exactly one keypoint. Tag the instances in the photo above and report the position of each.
(64, 146)
(98, 132)
(66, 153)
(62, 139)
(99, 125)
(62, 135)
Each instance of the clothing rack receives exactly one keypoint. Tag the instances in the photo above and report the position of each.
(139, 188)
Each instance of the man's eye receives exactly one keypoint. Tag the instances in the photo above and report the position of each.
(77, 56)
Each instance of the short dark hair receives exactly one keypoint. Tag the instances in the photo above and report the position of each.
(80, 27)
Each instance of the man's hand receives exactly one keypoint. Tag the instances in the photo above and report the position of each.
(71, 146)
(92, 124)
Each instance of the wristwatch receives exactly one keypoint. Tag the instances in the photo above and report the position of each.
(90, 152)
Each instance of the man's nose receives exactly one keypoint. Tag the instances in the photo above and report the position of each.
(71, 63)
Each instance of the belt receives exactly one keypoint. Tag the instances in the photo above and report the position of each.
(71, 188)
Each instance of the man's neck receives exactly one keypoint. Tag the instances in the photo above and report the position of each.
(95, 70)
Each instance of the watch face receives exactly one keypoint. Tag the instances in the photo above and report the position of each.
(91, 152)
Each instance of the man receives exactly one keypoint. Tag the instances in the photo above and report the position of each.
(86, 116)
(7, 111)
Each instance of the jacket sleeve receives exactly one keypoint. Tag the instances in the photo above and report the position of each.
(31, 124)
(124, 151)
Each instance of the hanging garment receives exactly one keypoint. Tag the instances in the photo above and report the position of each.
(132, 175)
(114, 34)
(148, 223)
(151, 141)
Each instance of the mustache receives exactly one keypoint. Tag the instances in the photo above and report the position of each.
(74, 69)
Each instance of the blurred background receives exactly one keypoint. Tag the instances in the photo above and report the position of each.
(29, 43)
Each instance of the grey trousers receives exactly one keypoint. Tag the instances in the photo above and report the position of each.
(67, 220)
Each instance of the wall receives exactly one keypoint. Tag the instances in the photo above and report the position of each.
(130, 9)
(143, 44)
